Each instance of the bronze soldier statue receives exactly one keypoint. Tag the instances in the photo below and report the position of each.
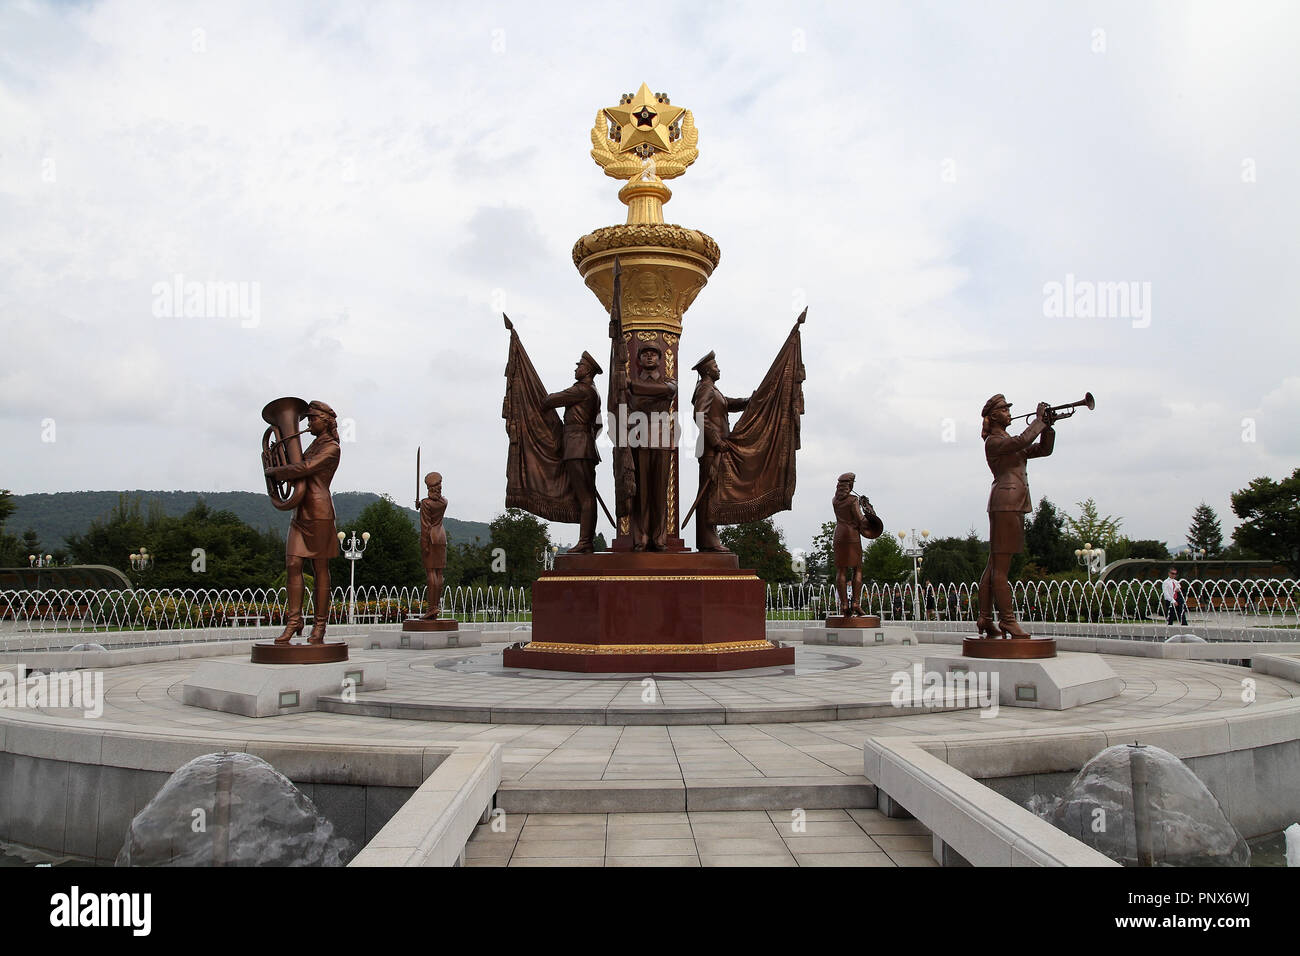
(711, 408)
(651, 395)
(855, 519)
(1008, 504)
(581, 404)
(433, 542)
(311, 533)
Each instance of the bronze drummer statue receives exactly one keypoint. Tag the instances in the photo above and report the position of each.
(312, 534)
(855, 519)
(433, 542)
(1008, 505)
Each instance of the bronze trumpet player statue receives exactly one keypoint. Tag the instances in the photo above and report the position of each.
(301, 480)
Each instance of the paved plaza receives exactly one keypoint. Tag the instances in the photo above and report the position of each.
(147, 698)
(726, 838)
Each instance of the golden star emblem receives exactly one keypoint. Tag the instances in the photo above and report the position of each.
(643, 120)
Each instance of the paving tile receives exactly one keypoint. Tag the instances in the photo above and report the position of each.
(565, 819)
(734, 846)
(734, 829)
(749, 859)
(653, 861)
(892, 843)
(618, 846)
(843, 859)
(558, 861)
(835, 844)
(618, 820)
(649, 831)
(728, 816)
(913, 858)
(559, 849)
(580, 831)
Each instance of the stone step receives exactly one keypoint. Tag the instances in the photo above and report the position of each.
(657, 796)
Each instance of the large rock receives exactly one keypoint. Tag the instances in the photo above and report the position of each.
(231, 809)
(1187, 826)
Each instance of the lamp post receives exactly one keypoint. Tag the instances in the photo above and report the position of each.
(1090, 558)
(546, 557)
(353, 550)
(40, 561)
(914, 551)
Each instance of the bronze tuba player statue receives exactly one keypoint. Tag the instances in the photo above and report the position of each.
(1008, 504)
(855, 519)
(312, 534)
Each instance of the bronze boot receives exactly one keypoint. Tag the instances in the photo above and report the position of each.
(292, 625)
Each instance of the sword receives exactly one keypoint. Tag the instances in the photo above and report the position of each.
(417, 477)
(606, 510)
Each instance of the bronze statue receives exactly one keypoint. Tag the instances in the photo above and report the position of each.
(652, 438)
(581, 403)
(752, 474)
(433, 542)
(711, 408)
(312, 533)
(1008, 504)
(855, 519)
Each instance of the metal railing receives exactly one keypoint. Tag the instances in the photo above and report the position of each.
(112, 610)
(1238, 605)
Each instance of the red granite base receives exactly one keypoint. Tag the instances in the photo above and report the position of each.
(269, 652)
(869, 620)
(1009, 649)
(616, 612)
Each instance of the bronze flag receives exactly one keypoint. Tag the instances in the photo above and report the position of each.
(757, 479)
(535, 475)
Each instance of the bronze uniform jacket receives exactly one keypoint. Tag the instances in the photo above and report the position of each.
(581, 419)
(1006, 456)
(711, 408)
(319, 462)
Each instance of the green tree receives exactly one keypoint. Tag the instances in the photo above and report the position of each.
(469, 564)
(1091, 527)
(392, 555)
(953, 560)
(1045, 541)
(1204, 532)
(517, 538)
(883, 561)
(1270, 513)
(821, 559)
(760, 545)
(113, 538)
(600, 544)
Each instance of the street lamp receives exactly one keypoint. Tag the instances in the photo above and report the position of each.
(352, 550)
(914, 551)
(546, 557)
(40, 561)
(1090, 557)
(141, 560)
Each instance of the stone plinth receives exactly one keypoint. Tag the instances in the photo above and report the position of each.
(268, 690)
(858, 636)
(393, 638)
(1057, 683)
(619, 612)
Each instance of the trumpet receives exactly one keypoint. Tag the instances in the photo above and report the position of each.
(281, 446)
(1057, 412)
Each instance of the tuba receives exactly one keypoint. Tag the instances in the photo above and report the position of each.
(281, 446)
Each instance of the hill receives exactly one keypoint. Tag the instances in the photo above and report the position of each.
(55, 516)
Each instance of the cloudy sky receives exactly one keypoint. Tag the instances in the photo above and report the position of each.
(384, 178)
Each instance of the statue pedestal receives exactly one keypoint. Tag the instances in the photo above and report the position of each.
(1056, 683)
(269, 690)
(859, 635)
(330, 652)
(624, 612)
(1009, 648)
(421, 625)
(868, 620)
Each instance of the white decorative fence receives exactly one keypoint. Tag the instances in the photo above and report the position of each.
(1231, 604)
(1238, 604)
(105, 610)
